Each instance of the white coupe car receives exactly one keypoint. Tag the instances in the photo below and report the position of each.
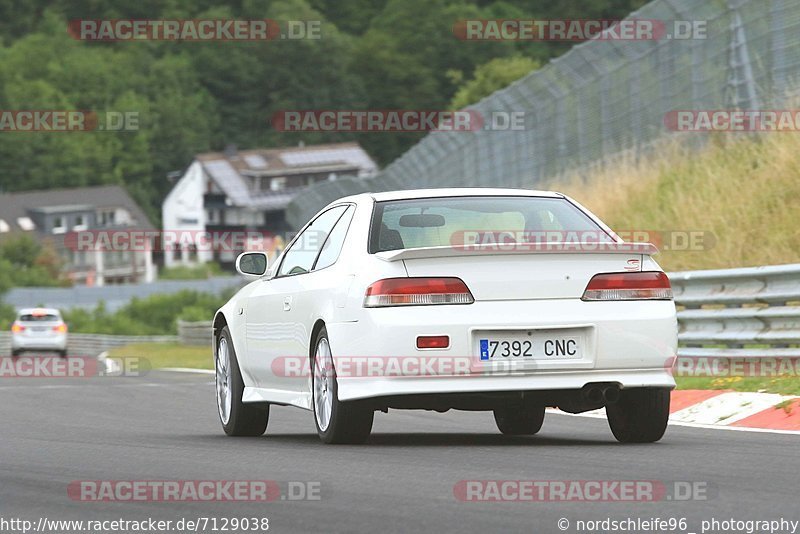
(501, 300)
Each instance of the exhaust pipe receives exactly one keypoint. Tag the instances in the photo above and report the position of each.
(593, 394)
(611, 394)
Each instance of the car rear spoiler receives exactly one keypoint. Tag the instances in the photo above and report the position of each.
(494, 249)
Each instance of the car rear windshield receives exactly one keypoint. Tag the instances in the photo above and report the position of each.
(454, 221)
(39, 318)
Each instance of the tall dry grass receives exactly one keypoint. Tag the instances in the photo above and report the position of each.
(743, 193)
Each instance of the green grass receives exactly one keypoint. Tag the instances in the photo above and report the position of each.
(785, 385)
(737, 195)
(160, 355)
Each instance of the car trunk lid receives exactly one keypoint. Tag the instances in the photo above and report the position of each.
(552, 272)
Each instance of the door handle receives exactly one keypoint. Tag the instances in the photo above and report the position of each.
(287, 303)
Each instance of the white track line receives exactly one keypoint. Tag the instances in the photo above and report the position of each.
(187, 370)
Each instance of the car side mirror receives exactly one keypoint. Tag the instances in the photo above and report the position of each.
(252, 264)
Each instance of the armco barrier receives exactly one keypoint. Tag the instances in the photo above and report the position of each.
(93, 344)
(751, 312)
(195, 333)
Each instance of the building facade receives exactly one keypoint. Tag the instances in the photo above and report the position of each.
(58, 217)
(241, 192)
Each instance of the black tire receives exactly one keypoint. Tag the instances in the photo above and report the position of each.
(350, 422)
(15, 353)
(519, 421)
(640, 415)
(244, 419)
(63, 353)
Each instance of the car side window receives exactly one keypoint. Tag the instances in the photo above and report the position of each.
(333, 245)
(301, 255)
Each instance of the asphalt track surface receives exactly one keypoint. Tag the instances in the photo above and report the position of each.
(163, 426)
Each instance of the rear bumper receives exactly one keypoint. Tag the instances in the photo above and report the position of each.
(632, 344)
(21, 342)
(364, 388)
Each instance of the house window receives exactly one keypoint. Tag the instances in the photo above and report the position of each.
(26, 223)
(107, 218)
(80, 223)
(58, 225)
(278, 184)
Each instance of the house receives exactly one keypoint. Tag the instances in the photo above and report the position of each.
(247, 192)
(58, 217)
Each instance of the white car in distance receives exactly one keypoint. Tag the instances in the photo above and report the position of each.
(502, 300)
(39, 329)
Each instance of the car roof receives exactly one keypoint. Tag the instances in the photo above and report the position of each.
(408, 194)
(38, 311)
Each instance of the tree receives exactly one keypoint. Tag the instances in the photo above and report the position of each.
(24, 262)
(196, 97)
(490, 77)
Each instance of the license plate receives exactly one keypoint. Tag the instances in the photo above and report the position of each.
(530, 345)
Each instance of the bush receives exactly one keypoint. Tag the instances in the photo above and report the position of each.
(185, 272)
(153, 315)
(7, 315)
(24, 262)
(194, 314)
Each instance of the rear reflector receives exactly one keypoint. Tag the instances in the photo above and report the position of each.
(433, 342)
(60, 328)
(417, 292)
(629, 286)
(17, 328)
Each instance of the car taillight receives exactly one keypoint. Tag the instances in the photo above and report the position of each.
(61, 328)
(629, 286)
(417, 292)
(17, 328)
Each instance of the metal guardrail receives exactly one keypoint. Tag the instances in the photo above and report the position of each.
(195, 333)
(93, 344)
(189, 333)
(752, 312)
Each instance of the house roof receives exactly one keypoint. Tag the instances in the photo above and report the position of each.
(230, 170)
(14, 206)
